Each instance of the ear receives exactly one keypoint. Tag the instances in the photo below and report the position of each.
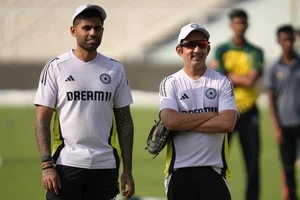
(73, 31)
(231, 24)
(179, 50)
(208, 49)
(247, 25)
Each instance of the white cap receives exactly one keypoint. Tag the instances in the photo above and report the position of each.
(187, 29)
(82, 8)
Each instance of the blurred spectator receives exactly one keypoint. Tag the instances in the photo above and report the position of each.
(282, 83)
(297, 40)
(297, 48)
(242, 62)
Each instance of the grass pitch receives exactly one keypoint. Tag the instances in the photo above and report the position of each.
(20, 172)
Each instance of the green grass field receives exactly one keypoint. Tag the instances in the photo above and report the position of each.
(20, 174)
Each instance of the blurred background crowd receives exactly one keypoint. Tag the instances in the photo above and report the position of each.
(140, 34)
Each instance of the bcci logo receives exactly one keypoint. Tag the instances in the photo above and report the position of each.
(195, 26)
(211, 93)
(105, 78)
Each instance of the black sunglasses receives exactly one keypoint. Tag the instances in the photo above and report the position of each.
(202, 44)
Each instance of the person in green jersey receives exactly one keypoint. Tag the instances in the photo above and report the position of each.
(242, 62)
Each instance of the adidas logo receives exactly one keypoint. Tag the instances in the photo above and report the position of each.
(70, 78)
(184, 96)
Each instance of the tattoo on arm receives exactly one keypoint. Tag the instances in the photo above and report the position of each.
(125, 131)
(43, 136)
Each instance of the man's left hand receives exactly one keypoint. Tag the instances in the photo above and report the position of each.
(127, 182)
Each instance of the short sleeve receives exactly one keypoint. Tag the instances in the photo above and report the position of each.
(227, 99)
(269, 78)
(123, 96)
(46, 94)
(167, 94)
(259, 61)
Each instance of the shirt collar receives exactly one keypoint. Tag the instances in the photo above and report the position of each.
(295, 60)
(232, 45)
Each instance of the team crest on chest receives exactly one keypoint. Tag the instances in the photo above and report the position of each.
(105, 78)
(211, 93)
(280, 75)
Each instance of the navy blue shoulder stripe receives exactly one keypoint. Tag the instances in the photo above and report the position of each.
(44, 78)
(114, 60)
(163, 87)
(231, 85)
(221, 74)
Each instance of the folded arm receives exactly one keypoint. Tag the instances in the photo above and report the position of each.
(244, 80)
(223, 123)
(174, 120)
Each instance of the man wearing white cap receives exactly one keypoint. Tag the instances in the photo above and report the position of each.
(90, 96)
(199, 103)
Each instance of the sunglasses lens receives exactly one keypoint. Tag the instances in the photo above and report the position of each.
(203, 44)
(193, 44)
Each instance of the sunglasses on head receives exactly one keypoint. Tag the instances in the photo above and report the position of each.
(193, 44)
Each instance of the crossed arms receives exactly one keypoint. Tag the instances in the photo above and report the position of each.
(244, 80)
(208, 122)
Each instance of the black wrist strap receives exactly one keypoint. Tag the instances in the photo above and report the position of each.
(46, 158)
(48, 167)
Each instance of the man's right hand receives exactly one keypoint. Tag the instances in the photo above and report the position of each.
(51, 180)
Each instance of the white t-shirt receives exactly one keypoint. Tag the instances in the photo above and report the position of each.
(212, 92)
(84, 95)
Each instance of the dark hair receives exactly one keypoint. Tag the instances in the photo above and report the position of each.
(238, 13)
(88, 14)
(285, 29)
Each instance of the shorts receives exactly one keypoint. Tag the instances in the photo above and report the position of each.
(86, 184)
(202, 183)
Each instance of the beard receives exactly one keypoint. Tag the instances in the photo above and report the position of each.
(90, 47)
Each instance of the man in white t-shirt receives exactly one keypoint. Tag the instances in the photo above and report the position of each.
(90, 96)
(199, 103)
